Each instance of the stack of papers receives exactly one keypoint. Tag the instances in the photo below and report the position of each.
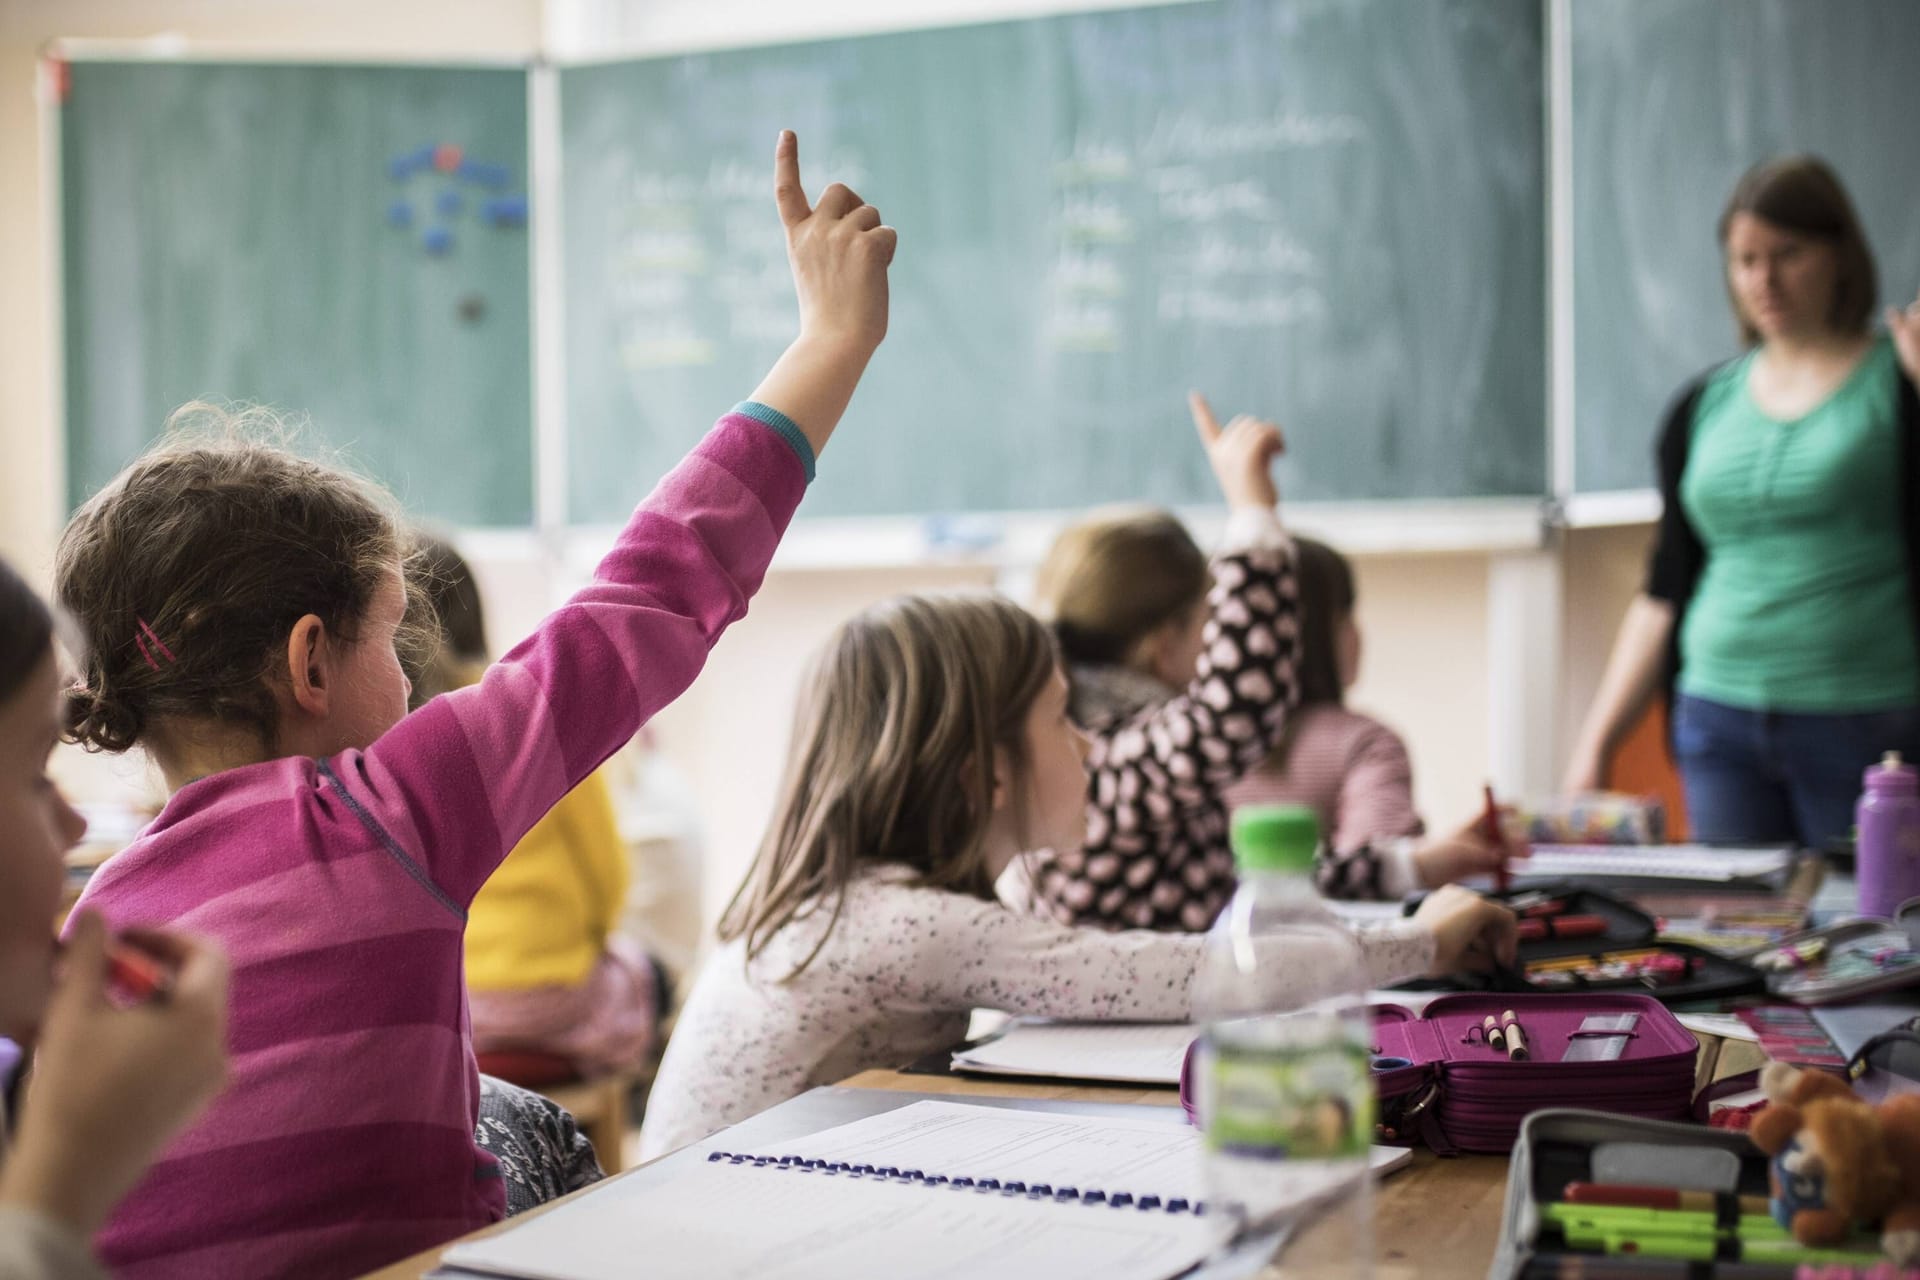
(1697, 862)
(1120, 1052)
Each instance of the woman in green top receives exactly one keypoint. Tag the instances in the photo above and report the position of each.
(1782, 606)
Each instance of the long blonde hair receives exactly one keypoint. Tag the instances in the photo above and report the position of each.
(1114, 578)
(900, 720)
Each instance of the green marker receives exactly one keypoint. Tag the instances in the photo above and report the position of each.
(1694, 1236)
(1661, 1221)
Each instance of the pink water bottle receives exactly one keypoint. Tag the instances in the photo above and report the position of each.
(1887, 849)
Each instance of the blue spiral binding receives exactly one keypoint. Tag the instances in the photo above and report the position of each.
(1032, 1191)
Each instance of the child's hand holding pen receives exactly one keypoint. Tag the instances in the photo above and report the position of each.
(1470, 932)
(1475, 848)
(115, 1077)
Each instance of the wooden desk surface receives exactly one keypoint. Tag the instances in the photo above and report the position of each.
(1435, 1220)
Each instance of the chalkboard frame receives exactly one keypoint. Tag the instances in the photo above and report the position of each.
(1005, 538)
(54, 69)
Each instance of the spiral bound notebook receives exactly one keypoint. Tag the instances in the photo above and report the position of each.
(931, 1189)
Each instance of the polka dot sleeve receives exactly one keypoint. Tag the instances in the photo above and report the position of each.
(1156, 851)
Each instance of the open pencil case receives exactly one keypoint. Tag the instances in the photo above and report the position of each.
(1439, 1081)
(1865, 956)
(1557, 1148)
(1672, 972)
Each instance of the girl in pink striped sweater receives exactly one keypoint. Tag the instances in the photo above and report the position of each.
(244, 610)
(1350, 769)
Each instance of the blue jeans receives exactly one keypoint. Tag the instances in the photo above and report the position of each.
(1763, 776)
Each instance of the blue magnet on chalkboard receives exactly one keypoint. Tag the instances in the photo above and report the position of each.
(506, 211)
(400, 168)
(484, 174)
(450, 203)
(400, 214)
(437, 240)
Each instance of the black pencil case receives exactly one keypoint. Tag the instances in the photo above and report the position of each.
(1562, 1146)
(1708, 975)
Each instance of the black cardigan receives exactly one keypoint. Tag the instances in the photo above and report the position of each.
(1678, 555)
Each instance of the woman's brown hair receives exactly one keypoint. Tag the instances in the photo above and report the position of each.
(1326, 596)
(1802, 194)
(900, 720)
(187, 572)
(1114, 578)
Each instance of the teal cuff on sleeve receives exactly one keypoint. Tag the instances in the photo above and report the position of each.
(784, 428)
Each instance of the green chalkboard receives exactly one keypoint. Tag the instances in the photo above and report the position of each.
(1671, 103)
(1329, 213)
(260, 233)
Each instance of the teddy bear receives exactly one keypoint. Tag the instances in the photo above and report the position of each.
(1839, 1162)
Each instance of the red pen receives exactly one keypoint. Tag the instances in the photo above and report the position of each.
(1536, 927)
(1490, 826)
(1661, 1198)
(135, 976)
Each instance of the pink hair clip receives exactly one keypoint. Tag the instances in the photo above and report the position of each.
(147, 634)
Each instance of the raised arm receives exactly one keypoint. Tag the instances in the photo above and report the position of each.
(455, 785)
(1157, 777)
(1230, 715)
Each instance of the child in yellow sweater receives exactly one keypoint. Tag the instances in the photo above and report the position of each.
(546, 969)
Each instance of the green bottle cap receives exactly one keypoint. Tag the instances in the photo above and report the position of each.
(1275, 837)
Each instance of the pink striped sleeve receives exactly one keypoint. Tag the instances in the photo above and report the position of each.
(455, 785)
(1376, 792)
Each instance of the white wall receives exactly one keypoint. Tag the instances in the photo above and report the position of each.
(1425, 616)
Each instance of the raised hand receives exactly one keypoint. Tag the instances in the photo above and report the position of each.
(1242, 454)
(1904, 325)
(110, 1085)
(840, 251)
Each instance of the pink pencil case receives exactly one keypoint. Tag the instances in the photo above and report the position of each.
(1456, 1093)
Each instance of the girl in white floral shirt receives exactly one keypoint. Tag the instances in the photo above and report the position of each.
(932, 746)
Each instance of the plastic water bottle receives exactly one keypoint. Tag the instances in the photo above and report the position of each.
(1285, 1093)
(1887, 850)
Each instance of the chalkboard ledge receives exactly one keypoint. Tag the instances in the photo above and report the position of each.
(1018, 540)
(1602, 510)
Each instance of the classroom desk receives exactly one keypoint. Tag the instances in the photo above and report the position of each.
(1435, 1220)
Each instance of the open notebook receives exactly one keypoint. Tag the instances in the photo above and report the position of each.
(899, 1194)
(933, 1190)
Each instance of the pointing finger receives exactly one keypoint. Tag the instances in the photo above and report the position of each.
(788, 195)
(1203, 420)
